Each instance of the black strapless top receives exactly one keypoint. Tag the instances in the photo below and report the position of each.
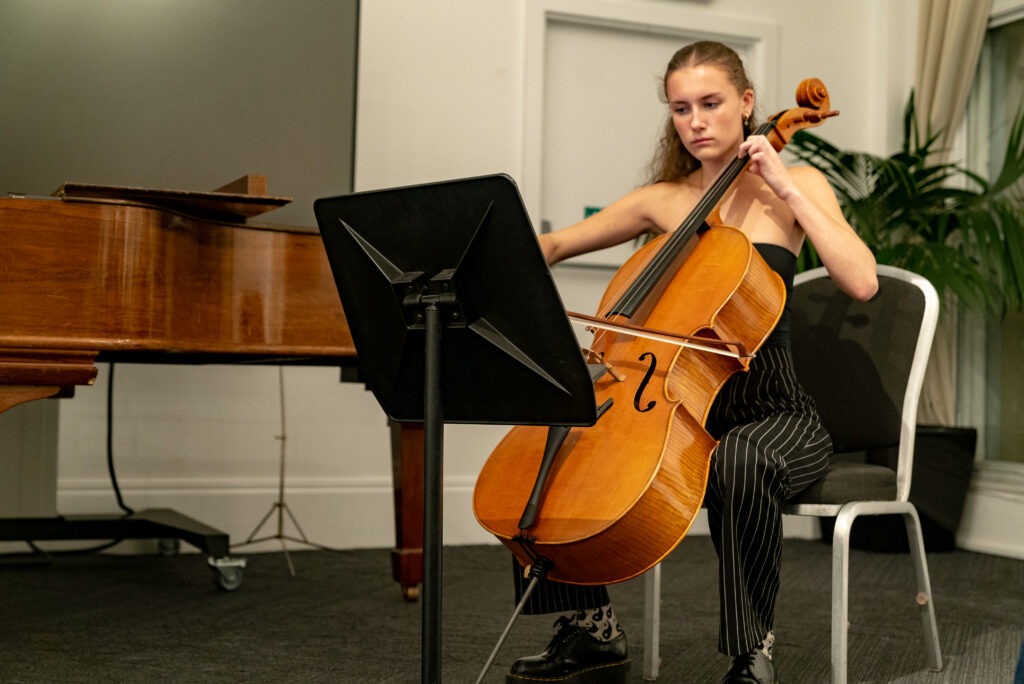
(783, 262)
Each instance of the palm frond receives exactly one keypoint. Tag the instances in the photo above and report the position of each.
(951, 225)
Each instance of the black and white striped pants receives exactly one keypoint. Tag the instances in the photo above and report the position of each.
(772, 445)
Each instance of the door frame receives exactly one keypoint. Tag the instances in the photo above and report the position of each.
(687, 22)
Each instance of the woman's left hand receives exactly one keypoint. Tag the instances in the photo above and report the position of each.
(765, 162)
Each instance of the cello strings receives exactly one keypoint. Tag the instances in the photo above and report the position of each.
(657, 263)
(645, 281)
(654, 265)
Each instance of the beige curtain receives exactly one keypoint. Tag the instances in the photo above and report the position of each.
(950, 34)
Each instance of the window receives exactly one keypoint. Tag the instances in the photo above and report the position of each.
(997, 98)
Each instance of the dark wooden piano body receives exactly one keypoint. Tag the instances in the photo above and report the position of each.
(124, 275)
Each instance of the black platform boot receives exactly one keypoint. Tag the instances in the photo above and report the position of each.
(754, 667)
(575, 657)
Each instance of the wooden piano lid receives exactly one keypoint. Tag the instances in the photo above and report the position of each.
(235, 202)
(133, 274)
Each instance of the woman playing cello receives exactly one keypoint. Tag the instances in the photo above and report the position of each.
(771, 442)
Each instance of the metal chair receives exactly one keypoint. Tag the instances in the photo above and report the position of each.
(863, 362)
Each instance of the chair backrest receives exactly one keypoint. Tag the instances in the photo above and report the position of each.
(864, 362)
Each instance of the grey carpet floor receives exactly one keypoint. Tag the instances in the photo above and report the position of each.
(108, 618)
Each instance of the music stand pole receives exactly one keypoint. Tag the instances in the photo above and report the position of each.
(433, 439)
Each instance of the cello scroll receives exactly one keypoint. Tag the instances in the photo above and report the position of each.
(814, 107)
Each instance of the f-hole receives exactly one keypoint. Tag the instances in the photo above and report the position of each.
(643, 384)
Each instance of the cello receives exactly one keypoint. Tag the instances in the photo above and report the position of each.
(603, 504)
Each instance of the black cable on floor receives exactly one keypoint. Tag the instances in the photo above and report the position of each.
(110, 442)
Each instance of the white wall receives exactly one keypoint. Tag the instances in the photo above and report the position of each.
(440, 96)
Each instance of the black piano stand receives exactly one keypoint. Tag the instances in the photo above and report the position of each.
(154, 523)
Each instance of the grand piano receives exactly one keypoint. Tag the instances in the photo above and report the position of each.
(113, 274)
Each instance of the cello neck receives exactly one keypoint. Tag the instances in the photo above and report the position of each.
(666, 258)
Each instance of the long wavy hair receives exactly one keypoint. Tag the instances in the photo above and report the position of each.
(671, 160)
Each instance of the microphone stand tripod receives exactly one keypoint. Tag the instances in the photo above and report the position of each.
(280, 506)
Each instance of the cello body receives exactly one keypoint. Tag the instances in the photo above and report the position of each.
(629, 487)
(617, 497)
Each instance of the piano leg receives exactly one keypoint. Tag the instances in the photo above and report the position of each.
(407, 474)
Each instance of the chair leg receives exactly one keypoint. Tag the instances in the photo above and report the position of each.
(652, 622)
(924, 588)
(840, 593)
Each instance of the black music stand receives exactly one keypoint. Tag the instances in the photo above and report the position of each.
(456, 260)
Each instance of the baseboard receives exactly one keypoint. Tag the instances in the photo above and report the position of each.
(338, 512)
(993, 511)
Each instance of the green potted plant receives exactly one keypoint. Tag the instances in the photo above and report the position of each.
(953, 226)
(965, 234)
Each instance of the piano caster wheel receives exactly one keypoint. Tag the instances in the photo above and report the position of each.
(411, 592)
(227, 579)
(168, 547)
(227, 572)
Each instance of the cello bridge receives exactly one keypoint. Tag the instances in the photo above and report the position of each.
(591, 356)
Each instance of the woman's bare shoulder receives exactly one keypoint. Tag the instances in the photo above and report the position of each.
(808, 177)
(664, 201)
(660, 190)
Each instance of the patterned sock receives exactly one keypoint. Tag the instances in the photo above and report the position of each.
(599, 622)
(767, 645)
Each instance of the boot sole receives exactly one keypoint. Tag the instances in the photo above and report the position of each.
(612, 673)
